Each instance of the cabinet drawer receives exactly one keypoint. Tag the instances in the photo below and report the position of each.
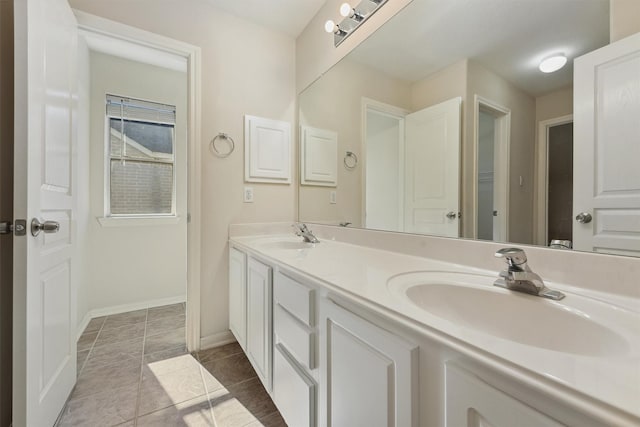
(293, 392)
(295, 297)
(297, 339)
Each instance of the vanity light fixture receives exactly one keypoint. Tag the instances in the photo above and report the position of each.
(348, 12)
(553, 63)
(353, 17)
(332, 27)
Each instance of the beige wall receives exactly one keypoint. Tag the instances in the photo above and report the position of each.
(335, 103)
(141, 263)
(624, 18)
(489, 85)
(315, 52)
(246, 69)
(6, 206)
(555, 104)
(448, 83)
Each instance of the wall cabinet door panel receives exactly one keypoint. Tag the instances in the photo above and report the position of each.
(259, 324)
(368, 376)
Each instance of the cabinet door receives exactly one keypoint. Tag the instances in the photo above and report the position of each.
(472, 402)
(259, 327)
(368, 376)
(238, 296)
(293, 390)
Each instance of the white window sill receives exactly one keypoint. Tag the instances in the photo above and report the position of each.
(138, 221)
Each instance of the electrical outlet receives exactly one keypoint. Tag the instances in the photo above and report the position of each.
(248, 194)
(332, 197)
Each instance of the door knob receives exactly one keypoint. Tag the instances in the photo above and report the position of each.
(584, 217)
(451, 215)
(46, 227)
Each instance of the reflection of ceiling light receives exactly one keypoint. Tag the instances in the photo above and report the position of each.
(552, 63)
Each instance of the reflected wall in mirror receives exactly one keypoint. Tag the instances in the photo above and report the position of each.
(457, 130)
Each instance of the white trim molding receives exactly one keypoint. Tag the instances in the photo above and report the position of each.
(91, 25)
(216, 340)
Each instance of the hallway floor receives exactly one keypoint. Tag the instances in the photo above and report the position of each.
(134, 370)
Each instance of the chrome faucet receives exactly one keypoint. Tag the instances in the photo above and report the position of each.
(305, 233)
(519, 277)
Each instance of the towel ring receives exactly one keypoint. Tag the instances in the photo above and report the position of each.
(350, 160)
(223, 136)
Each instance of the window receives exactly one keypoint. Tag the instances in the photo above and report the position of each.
(141, 157)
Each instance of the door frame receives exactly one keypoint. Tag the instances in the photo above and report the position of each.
(502, 136)
(367, 105)
(540, 214)
(88, 23)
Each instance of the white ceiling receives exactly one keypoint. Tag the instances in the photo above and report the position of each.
(508, 36)
(288, 16)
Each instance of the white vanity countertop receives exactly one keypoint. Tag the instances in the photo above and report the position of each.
(362, 273)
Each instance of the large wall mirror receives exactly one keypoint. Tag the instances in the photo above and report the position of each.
(442, 123)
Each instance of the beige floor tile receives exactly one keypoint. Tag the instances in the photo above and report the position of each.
(82, 357)
(164, 324)
(252, 395)
(125, 319)
(229, 411)
(156, 313)
(273, 420)
(123, 333)
(94, 324)
(108, 408)
(166, 361)
(125, 351)
(230, 370)
(86, 340)
(159, 391)
(219, 352)
(192, 413)
(95, 379)
(165, 341)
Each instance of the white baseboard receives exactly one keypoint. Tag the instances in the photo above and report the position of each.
(117, 309)
(216, 340)
(83, 324)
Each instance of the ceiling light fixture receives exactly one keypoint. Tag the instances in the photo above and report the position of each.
(553, 63)
(353, 17)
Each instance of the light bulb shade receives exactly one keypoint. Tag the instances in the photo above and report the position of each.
(553, 63)
(330, 26)
(346, 10)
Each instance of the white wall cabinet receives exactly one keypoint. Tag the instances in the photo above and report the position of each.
(368, 376)
(259, 344)
(267, 150)
(238, 296)
(318, 157)
(474, 403)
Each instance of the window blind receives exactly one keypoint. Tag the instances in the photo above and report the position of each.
(121, 107)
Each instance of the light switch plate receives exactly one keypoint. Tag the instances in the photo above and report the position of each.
(248, 194)
(332, 197)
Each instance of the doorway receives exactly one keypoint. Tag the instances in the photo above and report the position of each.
(384, 140)
(492, 138)
(555, 182)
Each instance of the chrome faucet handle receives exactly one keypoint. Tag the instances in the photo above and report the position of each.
(514, 257)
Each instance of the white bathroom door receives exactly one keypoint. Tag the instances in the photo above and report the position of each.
(432, 169)
(44, 364)
(606, 178)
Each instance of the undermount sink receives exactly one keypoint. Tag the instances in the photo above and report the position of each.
(286, 245)
(576, 325)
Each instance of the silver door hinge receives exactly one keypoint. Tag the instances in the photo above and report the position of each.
(19, 228)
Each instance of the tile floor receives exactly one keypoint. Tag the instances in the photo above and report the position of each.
(134, 370)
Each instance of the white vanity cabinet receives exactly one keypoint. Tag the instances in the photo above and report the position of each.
(368, 376)
(474, 403)
(238, 296)
(295, 335)
(259, 344)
